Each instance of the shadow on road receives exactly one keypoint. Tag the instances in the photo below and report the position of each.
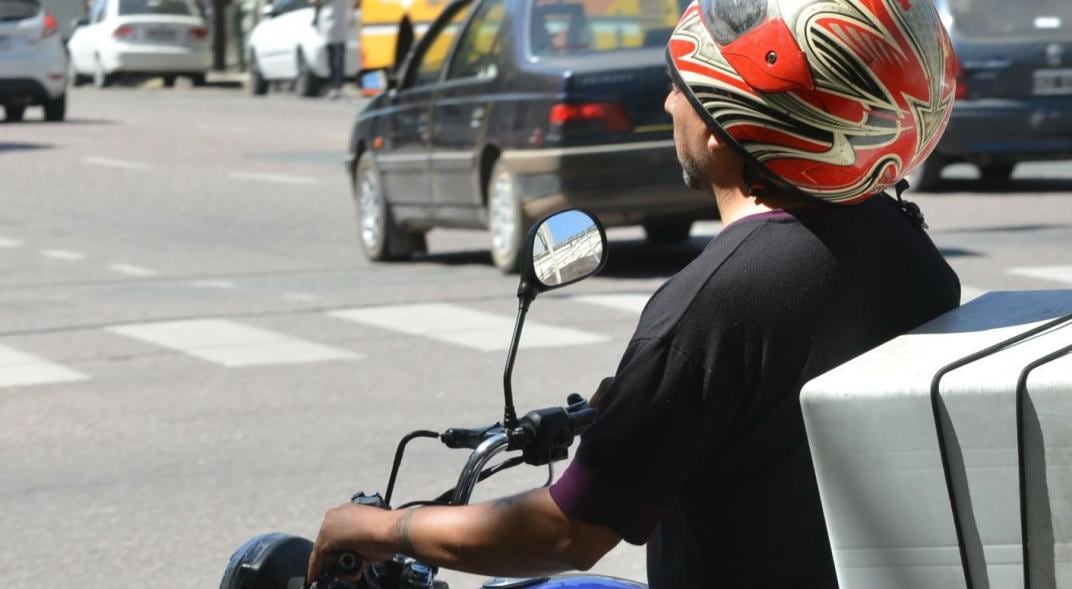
(1014, 186)
(627, 259)
(4, 146)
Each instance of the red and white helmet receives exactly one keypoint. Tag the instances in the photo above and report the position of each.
(838, 99)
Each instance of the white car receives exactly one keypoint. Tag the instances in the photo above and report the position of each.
(166, 38)
(33, 63)
(287, 46)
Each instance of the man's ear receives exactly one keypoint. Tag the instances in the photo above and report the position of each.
(713, 142)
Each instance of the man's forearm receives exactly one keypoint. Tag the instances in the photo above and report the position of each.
(522, 535)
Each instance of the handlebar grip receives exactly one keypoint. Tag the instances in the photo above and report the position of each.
(346, 563)
(580, 420)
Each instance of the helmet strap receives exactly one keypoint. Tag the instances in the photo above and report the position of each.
(910, 209)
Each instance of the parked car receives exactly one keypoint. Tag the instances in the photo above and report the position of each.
(1014, 94)
(33, 63)
(167, 38)
(287, 46)
(506, 110)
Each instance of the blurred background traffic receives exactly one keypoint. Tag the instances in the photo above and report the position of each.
(229, 280)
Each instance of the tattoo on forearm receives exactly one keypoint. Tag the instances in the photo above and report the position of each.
(405, 545)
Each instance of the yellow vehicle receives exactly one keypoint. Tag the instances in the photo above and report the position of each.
(388, 28)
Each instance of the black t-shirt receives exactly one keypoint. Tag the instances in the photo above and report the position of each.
(699, 448)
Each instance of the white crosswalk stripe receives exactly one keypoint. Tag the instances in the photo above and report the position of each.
(21, 369)
(465, 327)
(629, 302)
(1052, 273)
(232, 344)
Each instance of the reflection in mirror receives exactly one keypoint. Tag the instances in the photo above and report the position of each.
(568, 247)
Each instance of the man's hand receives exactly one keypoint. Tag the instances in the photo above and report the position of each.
(524, 535)
(352, 528)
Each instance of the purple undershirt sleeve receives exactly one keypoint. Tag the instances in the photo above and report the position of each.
(584, 496)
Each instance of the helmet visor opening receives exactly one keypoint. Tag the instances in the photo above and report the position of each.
(727, 20)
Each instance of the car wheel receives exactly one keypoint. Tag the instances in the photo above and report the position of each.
(13, 114)
(999, 173)
(56, 108)
(198, 80)
(101, 78)
(306, 84)
(169, 81)
(506, 221)
(76, 79)
(928, 175)
(258, 85)
(660, 232)
(381, 238)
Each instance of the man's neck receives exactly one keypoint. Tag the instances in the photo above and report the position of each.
(734, 203)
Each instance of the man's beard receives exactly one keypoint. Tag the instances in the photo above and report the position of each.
(693, 175)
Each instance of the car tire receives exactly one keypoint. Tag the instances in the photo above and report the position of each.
(663, 232)
(998, 173)
(101, 78)
(76, 79)
(169, 81)
(14, 113)
(56, 108)
(381, 239)
(258, 85)
(507, 224)
(928, 175)
(197, 80)
(306, 84)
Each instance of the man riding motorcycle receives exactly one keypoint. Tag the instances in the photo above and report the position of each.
(795, 115)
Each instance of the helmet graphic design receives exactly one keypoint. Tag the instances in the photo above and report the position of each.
(838, 99)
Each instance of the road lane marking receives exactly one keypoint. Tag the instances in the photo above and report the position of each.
(132, 270)
(116, 163)
(456, 325)
(10, 243)
(278, 178)
(1052, 273)
(20, 369)
(970, 293)
(221, 284)
(64, 255)
(300, 297)
(628, 302)
(232, 344)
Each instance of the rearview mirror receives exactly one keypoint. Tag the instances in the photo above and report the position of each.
(377, 81)
(563, 248)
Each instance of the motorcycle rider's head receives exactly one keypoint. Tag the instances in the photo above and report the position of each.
(831, 99)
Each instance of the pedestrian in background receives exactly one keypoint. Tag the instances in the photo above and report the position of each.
(332, 19)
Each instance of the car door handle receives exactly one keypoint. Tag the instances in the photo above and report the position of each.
(478, 118)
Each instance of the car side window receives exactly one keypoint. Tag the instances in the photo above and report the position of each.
(479, 49)
(435, 55)
(97, 11)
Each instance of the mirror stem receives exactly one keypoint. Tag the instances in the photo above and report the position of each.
(509, 413)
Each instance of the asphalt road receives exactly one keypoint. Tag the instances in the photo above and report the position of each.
(193, 351)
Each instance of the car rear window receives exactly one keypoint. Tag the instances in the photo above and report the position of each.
(565, 27)
(1012, 18)
(178, 7)
(18, 9)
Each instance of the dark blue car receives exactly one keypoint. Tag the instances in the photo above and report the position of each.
(507, 110)
(1014, 86)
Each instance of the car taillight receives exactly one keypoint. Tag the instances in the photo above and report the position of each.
(50, 27)
(611, 114)
(198, 33)
(124, 32)
(962, 82)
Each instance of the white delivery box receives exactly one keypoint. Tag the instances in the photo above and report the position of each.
(894, 521)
